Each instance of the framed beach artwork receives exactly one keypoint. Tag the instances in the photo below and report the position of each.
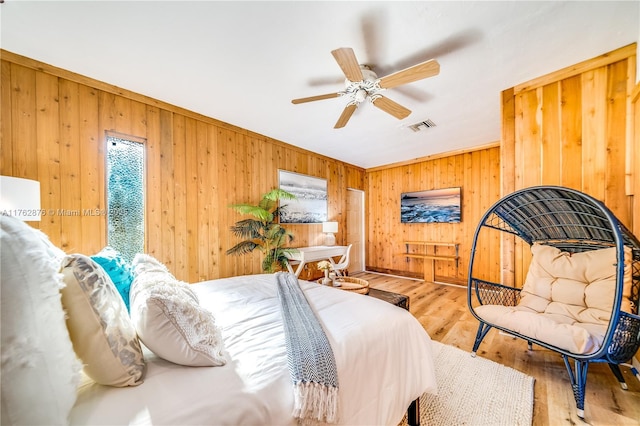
(432, 206)
(311, 193)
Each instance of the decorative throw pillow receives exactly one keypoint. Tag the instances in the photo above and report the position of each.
(52, 252)
(40, 370)
(169, 319)
(101, 331)
(143, 262)
(118, 269)
(156, 271)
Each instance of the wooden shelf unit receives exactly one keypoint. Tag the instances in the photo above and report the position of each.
(430, 255)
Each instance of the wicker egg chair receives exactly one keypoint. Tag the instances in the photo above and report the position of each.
(576, 226)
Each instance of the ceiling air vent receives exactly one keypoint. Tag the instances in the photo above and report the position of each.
(422, 125)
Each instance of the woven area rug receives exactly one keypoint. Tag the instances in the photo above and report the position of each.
(476, 391)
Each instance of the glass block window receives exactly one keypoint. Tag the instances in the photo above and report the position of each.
(125, 196)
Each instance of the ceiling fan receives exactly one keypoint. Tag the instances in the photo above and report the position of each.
(362, 83)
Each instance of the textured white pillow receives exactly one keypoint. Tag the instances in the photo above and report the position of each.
(40, 371)
(155, 271)
(169, 319)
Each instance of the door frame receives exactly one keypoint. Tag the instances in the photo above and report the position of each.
(361, 232)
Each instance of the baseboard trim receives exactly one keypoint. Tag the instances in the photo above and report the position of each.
(392, 275)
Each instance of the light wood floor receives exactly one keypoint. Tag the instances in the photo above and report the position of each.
(442, 310)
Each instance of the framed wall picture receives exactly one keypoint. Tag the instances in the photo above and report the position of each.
(432, 206)
(311, 205)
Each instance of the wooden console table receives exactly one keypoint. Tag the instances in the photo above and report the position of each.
(430, 255)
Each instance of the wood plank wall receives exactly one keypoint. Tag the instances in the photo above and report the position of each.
(574, 128)
(476, 172)
(53, 130)
(635, 158)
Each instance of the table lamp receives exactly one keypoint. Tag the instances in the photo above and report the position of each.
(20, 198)
(330, 228)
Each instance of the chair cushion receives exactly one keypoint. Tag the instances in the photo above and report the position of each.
(566, 300)
(579, 285)
(556, 330)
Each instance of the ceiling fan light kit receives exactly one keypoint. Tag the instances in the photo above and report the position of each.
(362, 83)
(359, 90)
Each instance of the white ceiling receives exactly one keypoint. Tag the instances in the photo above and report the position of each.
(243, 62)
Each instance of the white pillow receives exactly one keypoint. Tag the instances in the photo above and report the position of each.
(155, 271)
(168, 318)
(99, 325)
(40, 371)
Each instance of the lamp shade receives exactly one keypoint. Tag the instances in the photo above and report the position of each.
(330, 227)
(20, 198)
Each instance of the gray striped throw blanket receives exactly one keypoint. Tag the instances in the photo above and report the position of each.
(311, 362)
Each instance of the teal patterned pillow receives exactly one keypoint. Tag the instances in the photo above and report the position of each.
(118, 269)
(100, 328)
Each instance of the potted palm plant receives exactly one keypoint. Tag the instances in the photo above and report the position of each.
(263, 232)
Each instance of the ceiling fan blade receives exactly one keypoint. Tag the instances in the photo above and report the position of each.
(348, 63)
(315, 98)
(345, 116)
(391, 107)
(411, 74)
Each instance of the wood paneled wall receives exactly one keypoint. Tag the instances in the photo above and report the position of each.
(574, 128)
(635, 155)
(53, 130)
(476, 172)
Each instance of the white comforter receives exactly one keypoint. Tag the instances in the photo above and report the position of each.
(383, 356)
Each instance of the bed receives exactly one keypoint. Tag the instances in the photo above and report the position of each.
(382, 354)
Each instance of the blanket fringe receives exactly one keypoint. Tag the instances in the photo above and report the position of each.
(315, 401)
